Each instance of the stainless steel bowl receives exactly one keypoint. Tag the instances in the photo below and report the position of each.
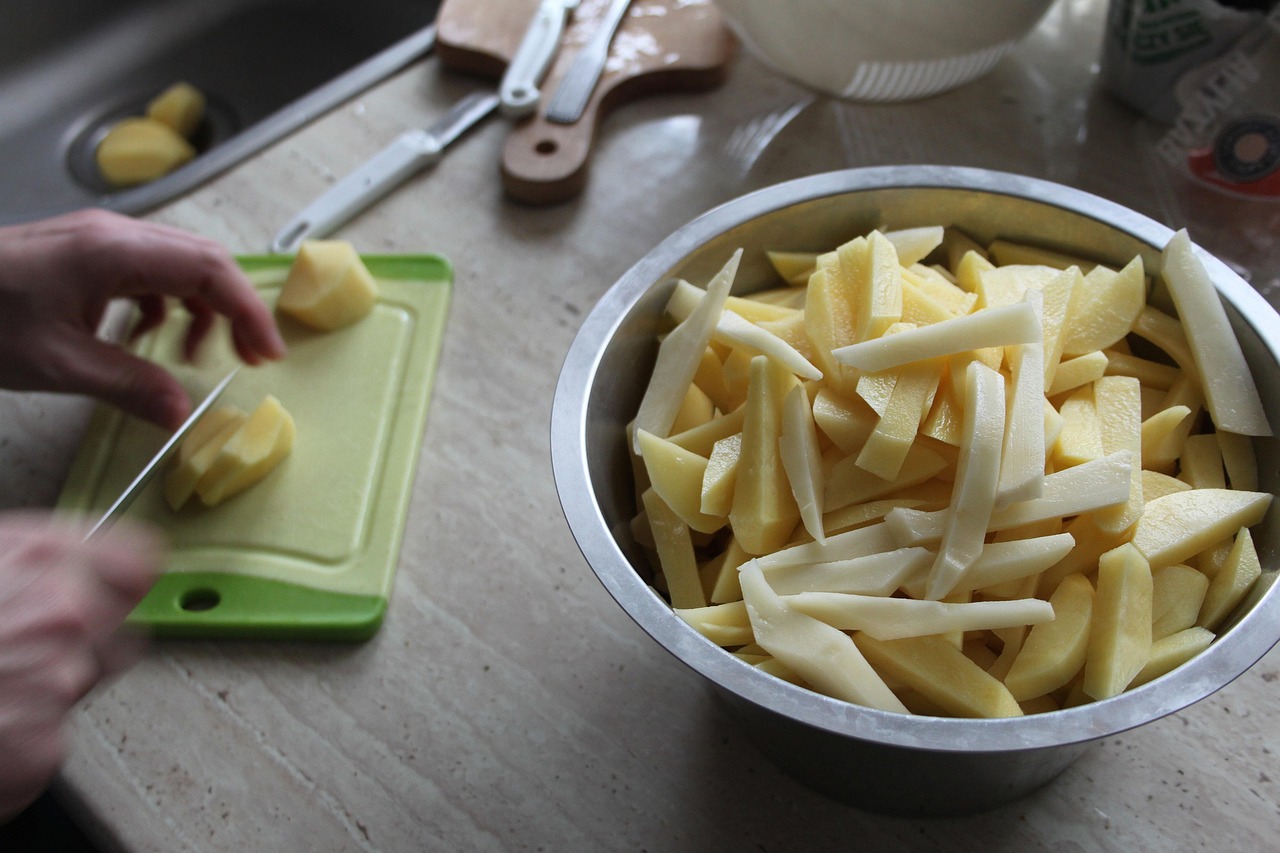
(880, 761)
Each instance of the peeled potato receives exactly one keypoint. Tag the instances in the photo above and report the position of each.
(137, 150)
(252, 452)
(328, 286)
(198, 451)
(181, 107)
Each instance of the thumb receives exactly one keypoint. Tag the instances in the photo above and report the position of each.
(135, 385)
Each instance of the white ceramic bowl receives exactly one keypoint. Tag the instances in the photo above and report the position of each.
(882, 50)
(883, 761)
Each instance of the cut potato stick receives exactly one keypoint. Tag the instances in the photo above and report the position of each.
(1055, 651)
(965, 521)
(1084, 488)
(874, 574)
(1175, 527)
(941, 673)
(1232, 397)
(823, 656)
(680, 354)
(895, 618)
(1022, 456)
(1120, 634)
(843, 546)
(993, 327)
(801, 459)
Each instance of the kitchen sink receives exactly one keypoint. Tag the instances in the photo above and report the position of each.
(71, 68)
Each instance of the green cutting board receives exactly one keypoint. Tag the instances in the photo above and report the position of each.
(311, 551)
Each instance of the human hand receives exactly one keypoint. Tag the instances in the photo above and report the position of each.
(63, 601)
(57, 278)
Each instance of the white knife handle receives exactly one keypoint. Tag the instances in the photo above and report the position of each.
(408, 154)
(519, 90)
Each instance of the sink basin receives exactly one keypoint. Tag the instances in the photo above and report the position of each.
(70, 68)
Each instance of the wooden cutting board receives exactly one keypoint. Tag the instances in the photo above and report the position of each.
(661, 46)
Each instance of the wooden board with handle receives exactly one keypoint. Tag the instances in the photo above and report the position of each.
(661, 46)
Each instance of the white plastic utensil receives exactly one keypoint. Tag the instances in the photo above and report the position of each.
(574, 92)
(407, 155)
(519, 90)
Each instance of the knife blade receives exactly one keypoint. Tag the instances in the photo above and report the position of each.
(574, 92)
(152, 467)
(407, 155)
(519, 90)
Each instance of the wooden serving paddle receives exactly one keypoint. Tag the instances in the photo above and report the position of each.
(661, 46)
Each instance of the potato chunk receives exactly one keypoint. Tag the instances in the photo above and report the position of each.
(252, 452)
(197, 452)
(138, 150)
(1120, 636)
(329, 287)
(181, 107)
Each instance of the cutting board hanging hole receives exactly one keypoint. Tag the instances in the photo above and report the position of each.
(199, 600)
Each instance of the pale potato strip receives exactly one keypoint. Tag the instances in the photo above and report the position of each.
(679, 355)
(843, 546)
(1232, 397)
(977, 476)
(895, 618)
(823, 656)
(802, 460)
(1023, 455)
(874, 574)
(1083, 488)
(989, 327)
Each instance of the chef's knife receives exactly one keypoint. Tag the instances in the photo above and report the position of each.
(519, 89)
(574, 92)
(408, 154)
(152, 468)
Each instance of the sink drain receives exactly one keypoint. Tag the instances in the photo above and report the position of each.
(219, 124)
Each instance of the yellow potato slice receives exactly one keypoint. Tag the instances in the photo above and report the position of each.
(1120, 634)
(977, 479)
(793, 267)
(696, 410)
(1177, 593)
(138, 150)
(941, 673)
(675, 553)
(1119, 403)
(722, 624)
(1169, 653)
(829, 323)
(1232, 396)
(680, 355)
(1104, 308)
(802, 460)
(1054, 652)
(252, 452)
(846, 422)
(764, 512)
(198, 451)
(720, 475)
(181, 107)
(701, 439)
(1177, 526)
(676, 475)
(887, 447)
(823, 656)
(1232, 582)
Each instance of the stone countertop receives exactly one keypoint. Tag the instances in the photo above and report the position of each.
(508, 703)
